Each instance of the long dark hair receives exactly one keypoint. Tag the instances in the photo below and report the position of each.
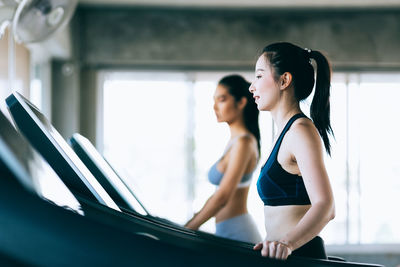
(238, 87)
(286, 57)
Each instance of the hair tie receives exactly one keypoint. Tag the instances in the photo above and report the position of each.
(308, 53)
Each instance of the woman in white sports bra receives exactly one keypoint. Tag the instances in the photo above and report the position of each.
(232, 173)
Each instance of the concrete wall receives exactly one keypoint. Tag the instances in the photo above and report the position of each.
(88, 104)
(177, 38)
(65, 97)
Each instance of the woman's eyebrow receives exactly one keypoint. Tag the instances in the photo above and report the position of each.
(219, 96)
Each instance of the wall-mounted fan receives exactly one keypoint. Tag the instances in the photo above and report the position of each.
(35, 20)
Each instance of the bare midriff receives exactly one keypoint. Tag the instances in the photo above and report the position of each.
(279, 220)
(237, 205)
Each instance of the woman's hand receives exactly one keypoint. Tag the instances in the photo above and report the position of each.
(190, 226)
(190, 223)
(274, 249)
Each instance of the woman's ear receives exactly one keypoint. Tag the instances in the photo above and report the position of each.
(242, 103)
(285, 80)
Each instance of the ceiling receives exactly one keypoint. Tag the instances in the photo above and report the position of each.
(251, 3)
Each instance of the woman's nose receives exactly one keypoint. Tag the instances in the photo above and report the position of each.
(251, 88)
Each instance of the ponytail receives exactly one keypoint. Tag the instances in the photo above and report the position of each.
(250, 116)
(320, 105)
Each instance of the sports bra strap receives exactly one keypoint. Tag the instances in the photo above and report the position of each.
(285, 129)
(231, 142)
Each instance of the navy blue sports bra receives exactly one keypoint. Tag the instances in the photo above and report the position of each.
(277, 187)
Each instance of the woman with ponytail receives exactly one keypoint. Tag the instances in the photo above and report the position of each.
(232, 173)
(293, 183)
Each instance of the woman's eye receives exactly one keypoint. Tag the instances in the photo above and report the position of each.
(258, 76)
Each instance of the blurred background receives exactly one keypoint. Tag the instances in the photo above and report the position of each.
(137, 78)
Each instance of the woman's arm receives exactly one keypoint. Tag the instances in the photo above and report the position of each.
(308, 153)
(239, 157)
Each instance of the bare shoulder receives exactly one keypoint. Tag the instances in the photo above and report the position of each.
(246, 139)
(304, 126)
(304, 132)
(245, 143)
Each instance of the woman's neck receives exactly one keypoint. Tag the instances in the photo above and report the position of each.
(282, 115)
(237, 128)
